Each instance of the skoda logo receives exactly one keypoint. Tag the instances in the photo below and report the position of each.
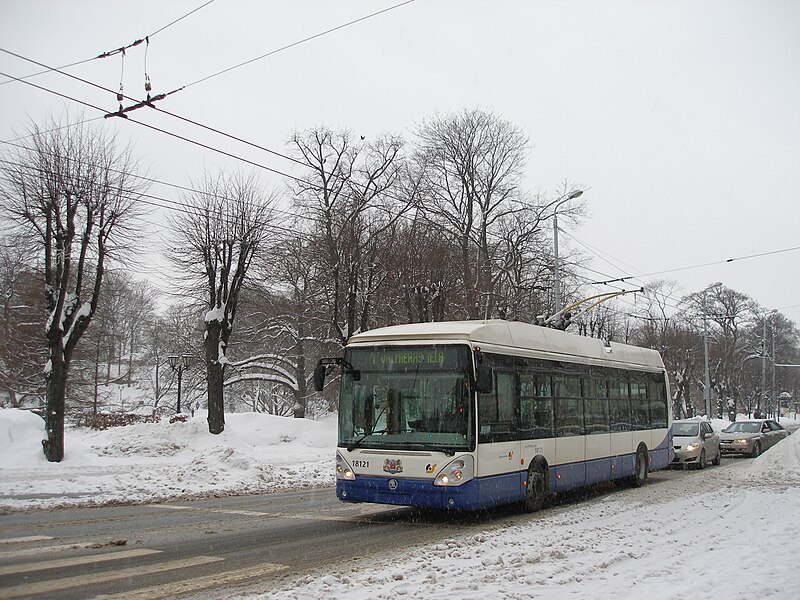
(393, 484)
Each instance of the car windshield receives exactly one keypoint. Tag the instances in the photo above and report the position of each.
(745, 427)
(685, 429)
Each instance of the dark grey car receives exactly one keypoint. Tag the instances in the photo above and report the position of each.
(752, 437)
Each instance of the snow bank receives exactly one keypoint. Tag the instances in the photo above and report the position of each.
(147, 462)
(780, 464)
(18, 430)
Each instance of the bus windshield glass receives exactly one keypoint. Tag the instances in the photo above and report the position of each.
(407, 397)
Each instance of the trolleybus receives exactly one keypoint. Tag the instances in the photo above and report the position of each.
(473, 414)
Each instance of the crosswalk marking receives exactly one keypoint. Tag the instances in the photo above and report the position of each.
(29, 538)
(195, 584)
(44, 587)
(72, 562)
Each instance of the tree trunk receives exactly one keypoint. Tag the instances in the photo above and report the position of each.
(53, 446)
(302, 390)
(214, 374)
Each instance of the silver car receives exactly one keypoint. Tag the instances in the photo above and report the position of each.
(751, 437)
(695, 443)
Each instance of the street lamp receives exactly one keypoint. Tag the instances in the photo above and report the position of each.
(556, 276)
(764, 355)
(180, 366)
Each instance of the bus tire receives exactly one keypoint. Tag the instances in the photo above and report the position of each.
(641, 467)
(537, 488)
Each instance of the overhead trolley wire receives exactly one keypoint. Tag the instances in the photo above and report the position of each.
(164, 131)
(708, 264)
(110, 52)
(297, 43)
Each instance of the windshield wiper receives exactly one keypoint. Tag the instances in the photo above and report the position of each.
(357, 443)
(445, 449)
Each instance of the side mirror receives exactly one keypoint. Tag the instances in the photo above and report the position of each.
(319, 377)
(483, 379)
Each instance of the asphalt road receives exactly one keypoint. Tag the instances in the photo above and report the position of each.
(216, 546)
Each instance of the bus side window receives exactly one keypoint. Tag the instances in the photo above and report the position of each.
(498, 411)
(640, 415)
(656, 393)
(619, 404)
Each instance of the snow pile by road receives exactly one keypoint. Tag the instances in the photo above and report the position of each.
(158, 461)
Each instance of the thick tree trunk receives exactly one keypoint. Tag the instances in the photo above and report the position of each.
(302, 391)
(53, 446)
(214, 375)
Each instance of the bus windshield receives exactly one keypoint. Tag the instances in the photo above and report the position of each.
(407, 397)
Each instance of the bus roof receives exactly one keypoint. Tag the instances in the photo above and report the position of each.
(513, 337)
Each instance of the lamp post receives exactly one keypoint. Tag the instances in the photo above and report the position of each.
(179, 364)
(556, 275)
(764, 355)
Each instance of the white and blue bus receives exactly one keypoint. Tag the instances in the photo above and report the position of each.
(473, 414)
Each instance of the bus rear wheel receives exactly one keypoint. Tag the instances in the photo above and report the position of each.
(536, 489)
(639, 476)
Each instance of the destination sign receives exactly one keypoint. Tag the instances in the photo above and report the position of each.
(409, 357)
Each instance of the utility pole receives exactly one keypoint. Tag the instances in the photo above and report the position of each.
(774, 397)
(706, 375)
(763, 364)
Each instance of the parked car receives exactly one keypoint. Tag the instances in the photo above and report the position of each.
(695, 443)
(751, 437)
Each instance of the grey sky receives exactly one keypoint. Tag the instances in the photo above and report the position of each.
(681, 118)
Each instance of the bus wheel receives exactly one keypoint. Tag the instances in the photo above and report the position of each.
(640, 471)
(536, 490)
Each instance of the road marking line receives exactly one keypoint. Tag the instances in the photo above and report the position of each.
(44, 587)
(30, 538)
(20, 552)
(72, 562)
(169, 590)
(274, 515)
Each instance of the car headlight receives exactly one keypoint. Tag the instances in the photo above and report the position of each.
(456, 473)
(343, 469)
(741, 441)
(692, 447)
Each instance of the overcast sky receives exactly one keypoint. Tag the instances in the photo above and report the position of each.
(681, 119)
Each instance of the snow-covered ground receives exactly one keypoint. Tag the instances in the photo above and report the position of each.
(159, 461)
(729, 533)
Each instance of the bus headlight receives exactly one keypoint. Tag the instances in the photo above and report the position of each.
(343, 469)
(457, 472)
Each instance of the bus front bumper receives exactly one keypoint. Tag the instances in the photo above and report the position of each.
(410, 492)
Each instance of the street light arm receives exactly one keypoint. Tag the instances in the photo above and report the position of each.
(556, 275)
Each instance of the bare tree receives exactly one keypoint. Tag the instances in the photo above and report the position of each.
(74, 193)
(21, 322)
(227, 225)
(472, 163)
(726, 313)
(353, 199)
